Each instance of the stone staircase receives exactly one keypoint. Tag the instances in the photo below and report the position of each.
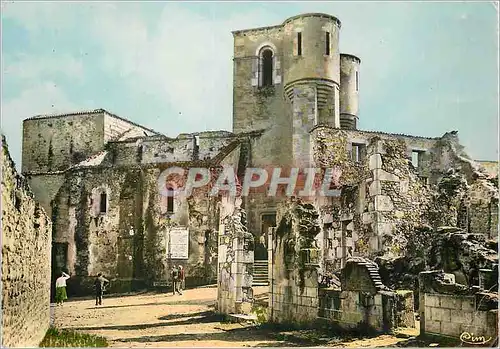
(260, 273)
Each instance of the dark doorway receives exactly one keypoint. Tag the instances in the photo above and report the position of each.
(268, 220)
(59, 264)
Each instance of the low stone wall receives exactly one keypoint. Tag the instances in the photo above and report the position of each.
(380, 312)
(363, 303)
(456, 311)
(456, 316)
(26, 261)
(290, 303)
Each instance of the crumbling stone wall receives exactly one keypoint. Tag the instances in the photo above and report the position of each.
(458, 253)
(295, 262)
(235, 262)
(26, 243)
(397, 200)
(390, 210)
(453, 310)
(128, 242)
(363, 303)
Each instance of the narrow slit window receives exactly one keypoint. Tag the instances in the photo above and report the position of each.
(415, 158)
(357, 81)
(170, 200)
(327, 43)
(299, 44)
(103, 204)
(267, 68)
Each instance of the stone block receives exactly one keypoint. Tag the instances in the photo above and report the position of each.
(375, 188)
(367, 217)
(460, 316)
(450, 302)
(450, 328)
(381, 175)
(375, 162)
(383, 203)
(314, 302)
(374, 243)
(431, 300)
(432, 326)
(403, 187)
(480, 318)
(469, 304)
(382, 229)
(311, 292)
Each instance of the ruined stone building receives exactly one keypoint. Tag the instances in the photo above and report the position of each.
(295, 104)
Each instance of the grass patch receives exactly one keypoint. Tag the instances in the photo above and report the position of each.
(66, 338)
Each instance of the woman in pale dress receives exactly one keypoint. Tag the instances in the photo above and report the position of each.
(61, 294)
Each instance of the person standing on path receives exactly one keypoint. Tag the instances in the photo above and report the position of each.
(175, 280)
(181, 278)
(100, 283)
(61, 294)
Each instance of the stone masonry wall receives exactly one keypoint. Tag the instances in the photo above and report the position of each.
(453, 310)
(235, 261)
(295, 262)
(453, 315)
(363, 303)
(26, 243)
(128, 242)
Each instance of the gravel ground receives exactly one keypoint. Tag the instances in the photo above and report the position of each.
(164, 320)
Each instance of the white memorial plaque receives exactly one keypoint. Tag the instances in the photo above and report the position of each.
(179, 239)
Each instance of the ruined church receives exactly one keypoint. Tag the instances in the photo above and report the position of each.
(295, 104)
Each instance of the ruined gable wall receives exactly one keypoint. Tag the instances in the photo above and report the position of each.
(26, 244)
(211, 143)
(55, 143)
(45, 188)
(129, 241)
(115, 127)
(152, 150)
(381, 198)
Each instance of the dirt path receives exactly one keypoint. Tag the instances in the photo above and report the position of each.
(164, 320)
(157, 320)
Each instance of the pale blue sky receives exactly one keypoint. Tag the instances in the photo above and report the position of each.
(427, 68)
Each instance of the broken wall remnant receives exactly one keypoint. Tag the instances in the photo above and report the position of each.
(450, 249)
(235, 262)
(453, 310)
(295, 261)
(26, 244)
(363, 303)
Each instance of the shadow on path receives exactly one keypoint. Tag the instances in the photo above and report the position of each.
(193, 318)
(236, 335)
(195, 302)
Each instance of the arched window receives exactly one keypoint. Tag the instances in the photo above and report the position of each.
(170, 199)
(266, 67)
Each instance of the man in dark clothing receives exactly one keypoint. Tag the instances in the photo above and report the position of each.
(100, 283)
(175, 280)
